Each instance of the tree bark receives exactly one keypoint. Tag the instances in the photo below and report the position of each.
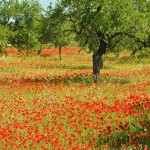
(97, 65)
(39, 52)
(132, 54)
(60, 54)
(97, 59)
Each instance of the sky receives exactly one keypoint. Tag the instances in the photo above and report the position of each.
(46, 3)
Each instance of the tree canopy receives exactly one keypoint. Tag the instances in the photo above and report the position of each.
(111, 23)
(21, 19)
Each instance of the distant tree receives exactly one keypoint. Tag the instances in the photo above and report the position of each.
(54, 28)
(20, 21)
(26, 24)
(103, 24)
(139, 34)
(3, 38)
(6, 12)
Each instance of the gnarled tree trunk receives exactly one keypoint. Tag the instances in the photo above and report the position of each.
(97, 59)
(97, 65)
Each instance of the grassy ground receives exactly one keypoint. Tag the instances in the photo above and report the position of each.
(50, 104)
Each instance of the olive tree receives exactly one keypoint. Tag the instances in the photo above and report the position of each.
(6, 12)
(101, 25)
(20, 21)
(139, 34)
(26, 24)
(54, 28)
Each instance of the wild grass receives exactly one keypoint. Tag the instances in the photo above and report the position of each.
(50, 104)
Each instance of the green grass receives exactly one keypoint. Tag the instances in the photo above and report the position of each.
(70, 106)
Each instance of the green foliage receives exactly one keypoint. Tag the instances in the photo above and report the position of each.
(3, 37)
(26, 24)
(54, 27)
(6, 12)
(118, 23)
(22, 19)
(137, 36)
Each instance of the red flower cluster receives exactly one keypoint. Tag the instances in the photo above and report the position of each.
(10, 51)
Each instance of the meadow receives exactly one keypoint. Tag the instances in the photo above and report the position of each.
(47, 104)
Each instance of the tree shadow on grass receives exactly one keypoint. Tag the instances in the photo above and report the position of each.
(116, 80)
(72, 80)
(82, 67)
(79, 79)
(71, 67)
(88, 80)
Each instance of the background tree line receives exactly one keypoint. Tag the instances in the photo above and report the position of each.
(20, 22)
(99, 25)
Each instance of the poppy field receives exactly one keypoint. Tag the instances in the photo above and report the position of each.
(47, 104)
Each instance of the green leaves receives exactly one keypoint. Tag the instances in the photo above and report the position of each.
(87, 19)
(22, 20)
(5, 16)
(26, 23)
(55, 26)
(3, 37)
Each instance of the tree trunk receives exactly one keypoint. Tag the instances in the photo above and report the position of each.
(97, 65)
(60, 53)
(132, 54)
(39, 52)
(97, 57)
